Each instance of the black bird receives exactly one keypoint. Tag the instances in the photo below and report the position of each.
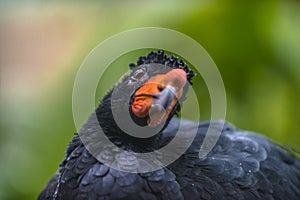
(105, 161)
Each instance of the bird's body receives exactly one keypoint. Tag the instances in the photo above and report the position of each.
(241, 165)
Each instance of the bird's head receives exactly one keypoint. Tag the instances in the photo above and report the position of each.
(149, 96)
(154, 90)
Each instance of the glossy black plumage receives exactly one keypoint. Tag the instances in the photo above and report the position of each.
(241, 165)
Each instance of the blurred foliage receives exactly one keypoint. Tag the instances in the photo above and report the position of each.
(255, 46)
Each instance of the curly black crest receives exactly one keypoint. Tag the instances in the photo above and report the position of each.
(170, 61)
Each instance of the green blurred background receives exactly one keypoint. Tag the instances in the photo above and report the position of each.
(256, 47)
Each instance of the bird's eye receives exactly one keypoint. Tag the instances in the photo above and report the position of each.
(138, 74)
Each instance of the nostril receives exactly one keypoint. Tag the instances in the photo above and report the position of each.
(160, 87)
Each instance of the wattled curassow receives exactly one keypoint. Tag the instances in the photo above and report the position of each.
(103, 161)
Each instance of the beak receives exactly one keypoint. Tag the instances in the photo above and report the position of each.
(158, 96)
(163, 101)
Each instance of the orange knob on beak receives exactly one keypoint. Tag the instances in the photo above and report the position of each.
(158, 96)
